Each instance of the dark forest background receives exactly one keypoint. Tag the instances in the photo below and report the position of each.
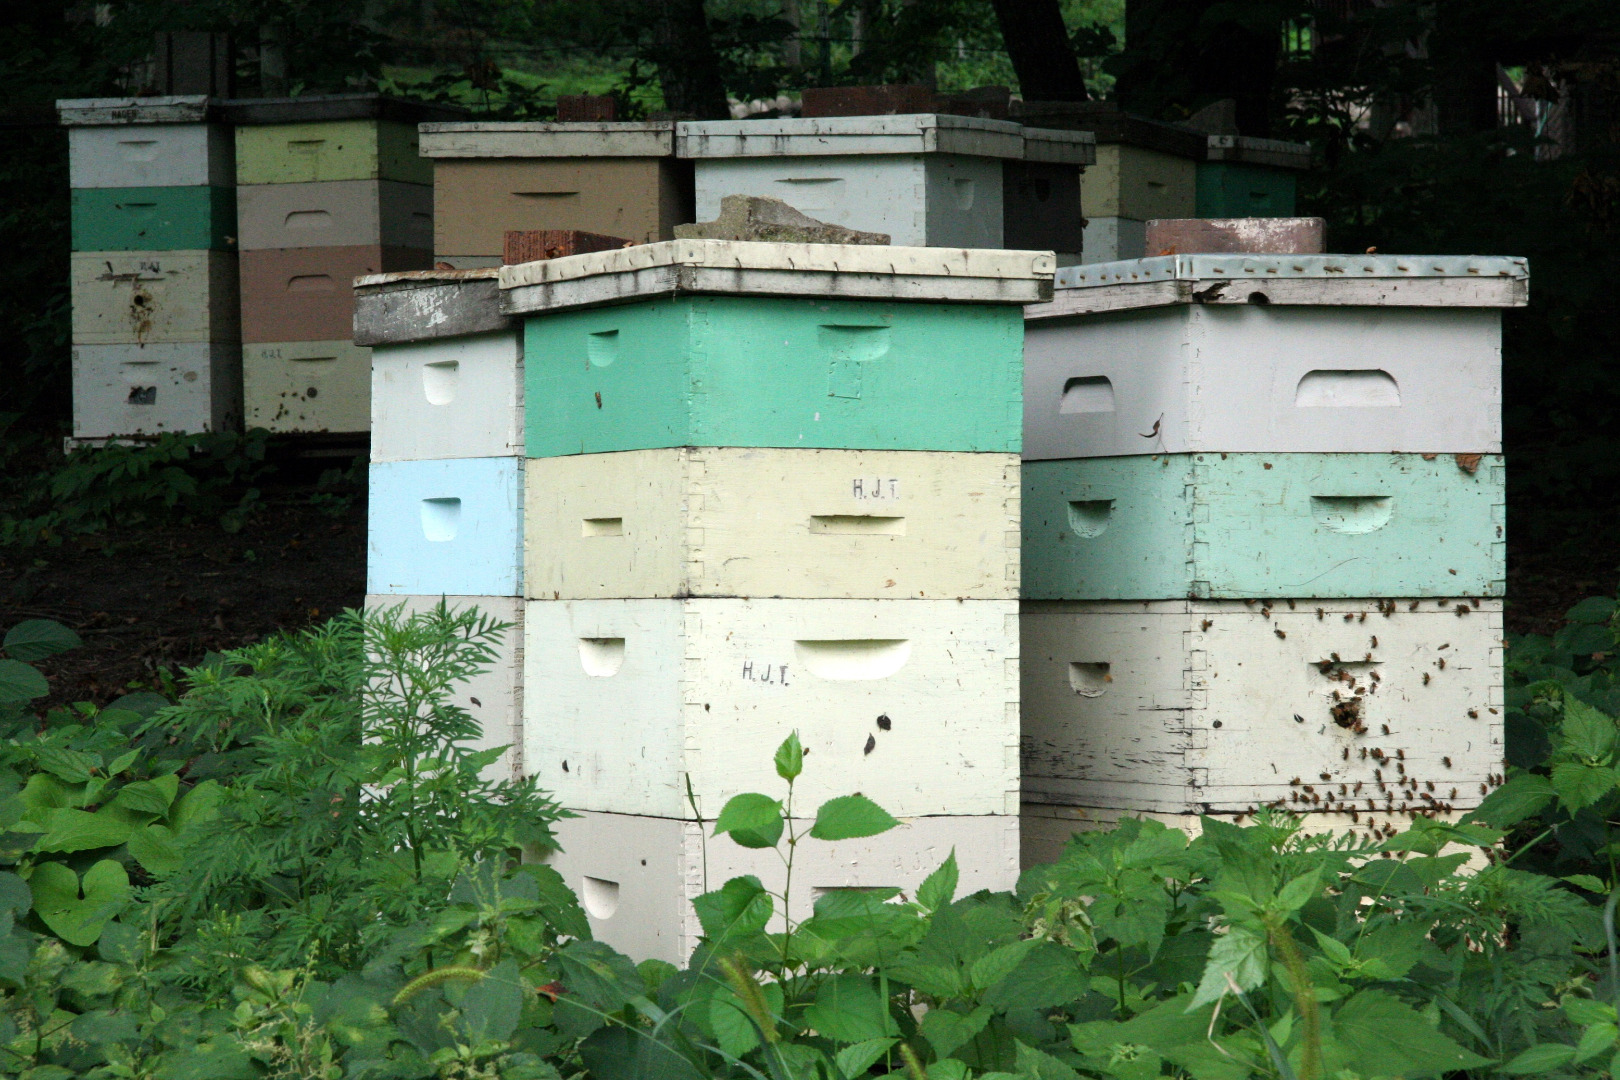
(1439, 126)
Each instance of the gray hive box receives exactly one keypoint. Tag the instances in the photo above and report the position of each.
(927, 180)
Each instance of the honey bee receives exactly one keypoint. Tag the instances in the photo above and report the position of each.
(1279, 632)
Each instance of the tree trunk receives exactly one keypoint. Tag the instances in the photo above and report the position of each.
(1038, 44)
(1464, 66)
(688, 66)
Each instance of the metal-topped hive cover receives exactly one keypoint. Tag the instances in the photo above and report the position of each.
(1354, 280)
(905, 133)
(830, 271)
(548, 139)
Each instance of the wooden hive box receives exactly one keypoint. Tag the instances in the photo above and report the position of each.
(636, 876)
(1184, 706)
(306, 294)
(329, 137)
(307, 386)
(1270, 353)
(719, 521)
(450, 527)
(1239, 526)
(154, 219)
(336, 213)
(1244, 176)
(676, 344)
(911, 700)
(154, 297)
(156, 389)
(147, 142)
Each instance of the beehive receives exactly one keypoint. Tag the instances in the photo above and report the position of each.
(154, 297)
(452, 526)
(924, 179)
(1197, 706)
(306, 386)
(121, 390)
(336, 213)
(630, 699)
(619, 179)
(726, 521)
(154, 219)
(636, 876)
(147, 142)
(1275, 354)
(1244, 176)
(1240, 526)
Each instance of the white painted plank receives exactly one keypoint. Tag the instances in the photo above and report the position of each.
(151, 390)
(151, 155)
(772, 523)
(1122, 702)
(453, 397)
(635, 696)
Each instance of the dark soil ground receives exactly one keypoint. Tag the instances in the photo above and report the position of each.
(146, 600)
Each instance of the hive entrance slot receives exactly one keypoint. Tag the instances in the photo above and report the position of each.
(857, 525)
(1352, 513)
(853, 659)
(965, 190)
(1089, 679)
(1367, 388)
(601, 657)
(142, 395)
(602, 526)
(440, 519)
(600, 897)
(439, 381)
(545, 194)
(1087, 394)
(818, 891)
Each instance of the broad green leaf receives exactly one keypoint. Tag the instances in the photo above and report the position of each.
(14, 894)
(856, 1060)
(154, 847)
(1594, 609)
(1587, 882)
(790, 758)
(491, 1007)
(1596, 1040)
(996, 965)
(1036, 1065)
(848, 1009)
(199, 804)
(35, 639)
(1387, 1037)
(850, 817)
(149, 796)
(949, 1069)
(1579, 786)
(76, 919)
(1298, 892)
(753, 820)
(105, 1027)
(1048, 977)
(738, 908)
(1586, 732)
(1546, 1058)
(946, 1030)
(1523, 796)
(21, 682)
(69, 830)
(1240, 954)
(70, 766)
(939, 888)
(1588, 1011)
(733, 1030)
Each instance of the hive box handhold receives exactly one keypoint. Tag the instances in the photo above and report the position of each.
(759, 217)
(1249, 235)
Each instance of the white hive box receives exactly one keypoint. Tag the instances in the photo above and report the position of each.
(1274, 354)
(636, 877)
(450, 526)
(155, 389)
(154, 297)
(926, 180)
(1184, 707)
(146, 142)
(772, 522)
(307, 386)
(494, 697)
(446, 366)
(628, 699)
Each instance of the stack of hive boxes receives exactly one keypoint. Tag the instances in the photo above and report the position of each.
(330, 188)
(769, 488)
(1243, 176)
(1263, 539)
(155, 326)
(925, 179)
(616, 179)
(445, 508)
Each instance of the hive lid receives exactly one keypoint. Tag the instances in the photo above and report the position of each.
(1060, 147)
(822, 136)
(174, 109)
(1253, 151)
(317, 108)
(547, 139)
(1109, 124)
(1338, 280)
(422, 305)
(822, 271)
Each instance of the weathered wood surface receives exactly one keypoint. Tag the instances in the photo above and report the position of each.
(636, 876)
(637, 696)
(1245, 235)
(154, 297)
(172, 109)
(423, 305)
(326, 108)
(156, 389)
(452, 526)
(1186, 706)
(540, 139)
(714, 521)
(448, 397)
(307, 386)
(1256, 151)
(1236, 526)
(1177, 378)
(911, 133)
(1140, 184)
(1060, 147)
(1108, 239)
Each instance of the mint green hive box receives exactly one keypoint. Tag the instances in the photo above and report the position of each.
(1250, 526)
(154, 219)
(719, 343)
(1249, 177)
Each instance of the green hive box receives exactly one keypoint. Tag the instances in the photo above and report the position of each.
(330, 150)
(775, 371)
(154, 219)
(1248, 526)
(1232, 189)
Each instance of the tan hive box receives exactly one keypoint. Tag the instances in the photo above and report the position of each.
(307, 294)
(621, 179)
